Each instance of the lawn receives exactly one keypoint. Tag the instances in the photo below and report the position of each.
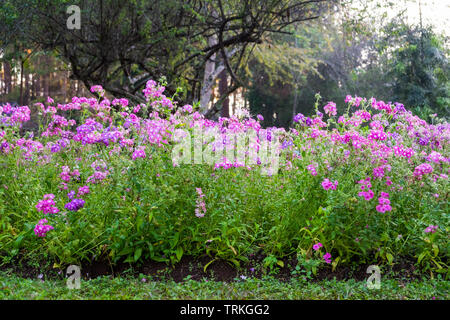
(104, 288)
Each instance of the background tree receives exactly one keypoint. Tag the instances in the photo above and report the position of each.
(122, 44)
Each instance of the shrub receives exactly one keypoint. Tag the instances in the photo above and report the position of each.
(370, 185)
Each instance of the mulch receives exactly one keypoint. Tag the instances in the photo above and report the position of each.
(219, 270)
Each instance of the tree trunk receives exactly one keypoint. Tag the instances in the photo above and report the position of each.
(223, 88)
(294, 105)
(26, 93)
(208, 78)
(65, 84)
(46, 77)
(8, 79)
(21, 83)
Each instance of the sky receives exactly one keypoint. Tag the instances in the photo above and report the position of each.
(435, 12)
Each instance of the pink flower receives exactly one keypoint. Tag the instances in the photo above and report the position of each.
(422, 169)
(99, 89)
(327, 257)
(139, 153)
(365, 183)
(330, 109)
(200, 207)
(436, 157)
(46, 205)
(317, 246)
(199, 192)
(384, 203)
(41, 228)
(312, 169)
(431, 229)
(136, 109)
(188, 108)
(327, 184)
(377, 135)
(65, 174)
(83, 190)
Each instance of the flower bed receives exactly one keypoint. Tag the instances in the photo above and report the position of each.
(99, 180)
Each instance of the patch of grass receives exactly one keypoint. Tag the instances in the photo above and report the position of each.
(104, 288)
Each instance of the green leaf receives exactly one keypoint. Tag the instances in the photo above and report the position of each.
(335, 263)
(18, 241)
(421, 256)
(235, 262)
(389, 257)
(435, 250)
(207, 265)
(139, 223)
(179, 253)
(137, 254)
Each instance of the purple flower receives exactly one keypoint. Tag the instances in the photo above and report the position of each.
(55, 148)
(286, 143)
(299, 117)
(75, 205)
(71, 195)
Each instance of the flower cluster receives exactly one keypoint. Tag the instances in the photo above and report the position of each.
(366, 192)
(47, 204)
(200, 207)
(384, 204)
(75, 205)
(327, 184)
(312, 169)
(66, 174)
(422, 169)
(139, 153)
(42, 228)
(330, 109)
(317, 246)
(327, 257)
(82, 191)
(431, 229)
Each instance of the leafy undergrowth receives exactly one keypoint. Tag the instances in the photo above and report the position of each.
(103, 180)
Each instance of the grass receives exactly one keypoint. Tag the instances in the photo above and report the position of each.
(105, 288)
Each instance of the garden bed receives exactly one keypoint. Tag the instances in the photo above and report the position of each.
(108, 182)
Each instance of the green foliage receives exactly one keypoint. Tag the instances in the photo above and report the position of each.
(419, 70)
(393, 62)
